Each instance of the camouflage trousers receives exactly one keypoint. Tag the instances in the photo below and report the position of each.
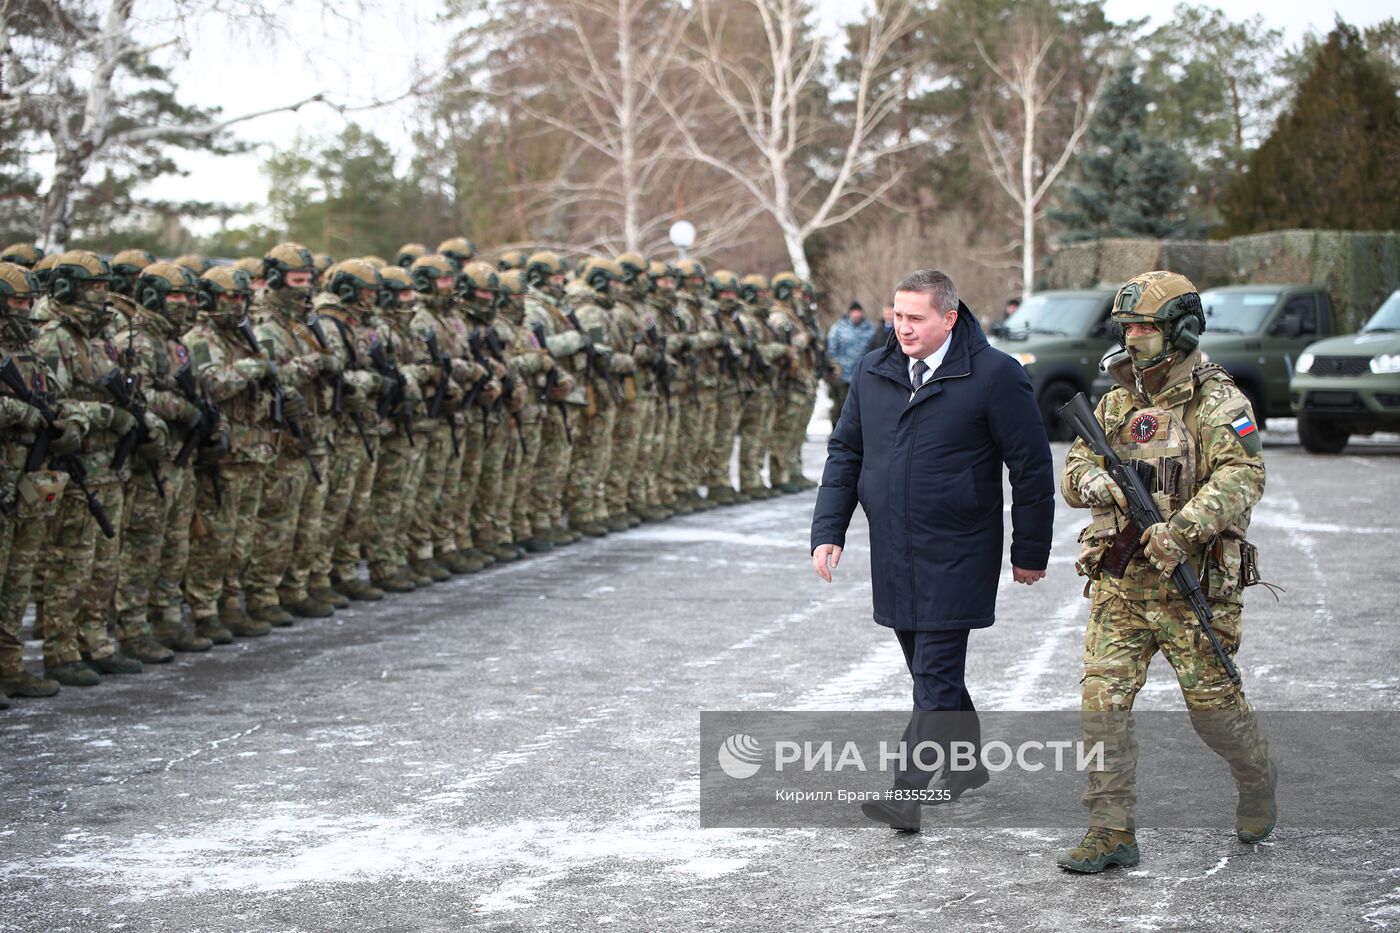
(632, 418)
(427, 500)
(395, 487)
(22, 538)
(661, 481)
(517, 519)
(489, 482)
(350, 466)
(645, 486)
(546, 503)
(1121, 639)
(220, 536)
(729, 410)
(151, 527)
(354, 526)
(295, 585)
(689, 436)
(459, 490)
(80, 575)
(789, 432)
(592, 459)
(755, 437)
(284, 485)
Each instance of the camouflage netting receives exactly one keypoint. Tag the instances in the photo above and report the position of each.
(1358, 269)
(1113, 262)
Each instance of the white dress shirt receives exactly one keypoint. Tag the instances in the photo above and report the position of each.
(932, 361)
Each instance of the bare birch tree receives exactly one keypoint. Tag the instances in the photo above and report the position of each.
(1015, 156)
(806, 171)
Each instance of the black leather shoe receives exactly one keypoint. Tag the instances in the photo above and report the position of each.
(902, 815)
(952, 785)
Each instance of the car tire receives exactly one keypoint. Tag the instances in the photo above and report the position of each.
(1052, 398)
(1321, 437)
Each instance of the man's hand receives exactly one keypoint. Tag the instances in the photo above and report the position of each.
(1028, 577)
(1165, 548)
(1098, 488)
(824, 560)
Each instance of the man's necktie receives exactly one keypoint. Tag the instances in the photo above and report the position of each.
(920, 369)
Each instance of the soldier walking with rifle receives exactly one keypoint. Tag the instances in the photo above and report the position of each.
(1170, 466)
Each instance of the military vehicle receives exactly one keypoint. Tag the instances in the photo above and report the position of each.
(1350, 384)
(1058, 336)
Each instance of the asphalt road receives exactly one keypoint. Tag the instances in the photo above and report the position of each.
(518, 749)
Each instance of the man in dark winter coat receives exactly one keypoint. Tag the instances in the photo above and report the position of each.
(930, 420)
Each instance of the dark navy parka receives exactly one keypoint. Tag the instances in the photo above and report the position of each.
(928, 472)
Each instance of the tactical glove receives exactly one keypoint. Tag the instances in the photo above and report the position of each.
(1166, 549)
(68, 440)
(1097, 488)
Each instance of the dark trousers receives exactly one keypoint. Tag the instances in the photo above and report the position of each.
(943, 710)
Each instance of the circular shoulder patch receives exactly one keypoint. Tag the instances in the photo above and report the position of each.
(1144, 428)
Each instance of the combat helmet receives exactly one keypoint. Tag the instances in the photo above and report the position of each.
(427, 269)
(126, 266)
(723, 281)
(512, 259)
(540, 266)
(43, 268)
(394, 281)
(348, 279)
(753, 287)
(16, 284)
(599, 274)
(21, 254)
(74, 276)
(785, 285)
(194, 262)
(158, 281)
(458, 249)
(1167, 300)
(281, 261)
(251, 265)
(219, 281)
(633, 266)
(408, 253)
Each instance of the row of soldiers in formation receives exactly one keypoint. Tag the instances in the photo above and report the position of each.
(238, 438)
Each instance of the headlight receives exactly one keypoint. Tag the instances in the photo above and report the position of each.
(1386, 364)
(1304, 363)
(1025, 359)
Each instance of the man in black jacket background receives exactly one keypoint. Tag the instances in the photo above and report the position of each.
(930, 421)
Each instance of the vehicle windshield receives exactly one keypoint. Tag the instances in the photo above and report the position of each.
(1060, 315)
(1237, 312)
(1386, 318)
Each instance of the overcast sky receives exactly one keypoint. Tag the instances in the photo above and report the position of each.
(376, 58)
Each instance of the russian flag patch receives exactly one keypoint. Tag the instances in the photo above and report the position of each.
(1243, 426)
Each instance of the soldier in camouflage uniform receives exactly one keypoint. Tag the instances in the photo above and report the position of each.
(767, 360)
(625, 482)
(346, 304)
(736, 386)
(564, 401)
(228, 483)
(703, 357)
(155, 540)
(671, 345)
(31, 498)
(81, 564)
(280, 329)
(800, 382)
(588, 299)
(399, 468)
(455, 374)
(1196, 429)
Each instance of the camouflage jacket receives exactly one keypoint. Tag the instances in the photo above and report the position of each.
(566, 345)
(706, 342)
(77, 361)
(606, 336)
(409, 353)
(450, 333)
(246, 405)
(1198, 433)
(156, 353)
(350, 334)
(792, 332)
(291, 345)
(631, 317)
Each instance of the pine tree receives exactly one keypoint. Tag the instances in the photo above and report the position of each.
(1129, 184)
(1330, 161)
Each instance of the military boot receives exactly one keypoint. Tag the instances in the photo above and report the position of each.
(4, 701)
(24, 684)
(114, 663)
(179, 636)
(397, 582)
(310, 608)
(147, 650)
(633, 519)
(616, 523)
(237, 622)
(357, 589)
(476, 560)
(536, 545)
(742, 496)
(567, 536)
(209, 628)
(274, 615)
(720, 495)
(804, 484)
(332, 597)
(435, 572)
(73, 674)
(680, 506)
(1257, 811)
(592, 530)
(457, 562)
(789, 489)
(504, 553)
(651, 514)
(1100, 848)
